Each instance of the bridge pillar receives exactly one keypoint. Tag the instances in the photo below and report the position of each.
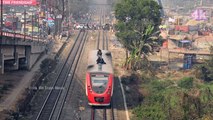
(28, 56)
(1, 63)
(16, 64)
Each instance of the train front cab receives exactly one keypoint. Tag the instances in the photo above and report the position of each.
(99, 89)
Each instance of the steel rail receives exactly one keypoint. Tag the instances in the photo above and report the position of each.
(55, 82)
(112, 110)
(107, 41)
(103, 45)
(99, 33)
(59, 112)
(104, 114)
(66, 94)
(66, 79)
(92, 113)
(98, 42)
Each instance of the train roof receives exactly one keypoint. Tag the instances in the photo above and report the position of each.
(94, 67)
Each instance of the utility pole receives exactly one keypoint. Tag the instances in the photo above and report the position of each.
(24, 24)
(14, 22)
(32, 26)
(1, 24)
(38, 28)
(201, 3)
(1, 40)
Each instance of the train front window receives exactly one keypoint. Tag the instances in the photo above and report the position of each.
(99, 83)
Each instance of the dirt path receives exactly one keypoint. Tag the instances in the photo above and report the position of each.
(16, 93)
(10, 100)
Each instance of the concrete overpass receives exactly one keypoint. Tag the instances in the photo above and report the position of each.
(17, 50)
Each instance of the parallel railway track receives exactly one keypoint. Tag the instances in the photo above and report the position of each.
(51, 101)
(72, 77)
(53, 108)
(102, 113)
(102, 42)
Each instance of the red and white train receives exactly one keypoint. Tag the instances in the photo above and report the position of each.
(99, 79)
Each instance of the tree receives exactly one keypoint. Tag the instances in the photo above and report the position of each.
(205, 71)
(78, 6)
(64, 8)
(138, 22)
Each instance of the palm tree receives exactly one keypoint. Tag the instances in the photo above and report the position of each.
(141, 47)
(137, 24)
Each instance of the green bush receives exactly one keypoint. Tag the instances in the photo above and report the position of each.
(150, 112)
(186, 82)
(158, 85)
(156, 97)
(47, 65)
(164, 102)
(205, 71)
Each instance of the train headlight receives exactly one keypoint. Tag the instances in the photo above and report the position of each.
(89, 89)
(109, 90)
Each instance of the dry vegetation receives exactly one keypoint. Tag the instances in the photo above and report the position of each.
(166, 94)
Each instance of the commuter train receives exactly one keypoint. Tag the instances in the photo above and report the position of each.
(99, 79)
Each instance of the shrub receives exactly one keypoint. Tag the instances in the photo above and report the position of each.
(158, 85)
(47, 65)
(186, 82)
(205, 71)
(149, 112)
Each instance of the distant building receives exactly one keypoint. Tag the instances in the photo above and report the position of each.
(199, 14)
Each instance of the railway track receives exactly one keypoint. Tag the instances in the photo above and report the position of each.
(102, 113)
(50, 103)
(102, 41)
(61, 106)
(53, 108)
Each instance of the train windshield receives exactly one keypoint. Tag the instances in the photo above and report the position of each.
(99, 83)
